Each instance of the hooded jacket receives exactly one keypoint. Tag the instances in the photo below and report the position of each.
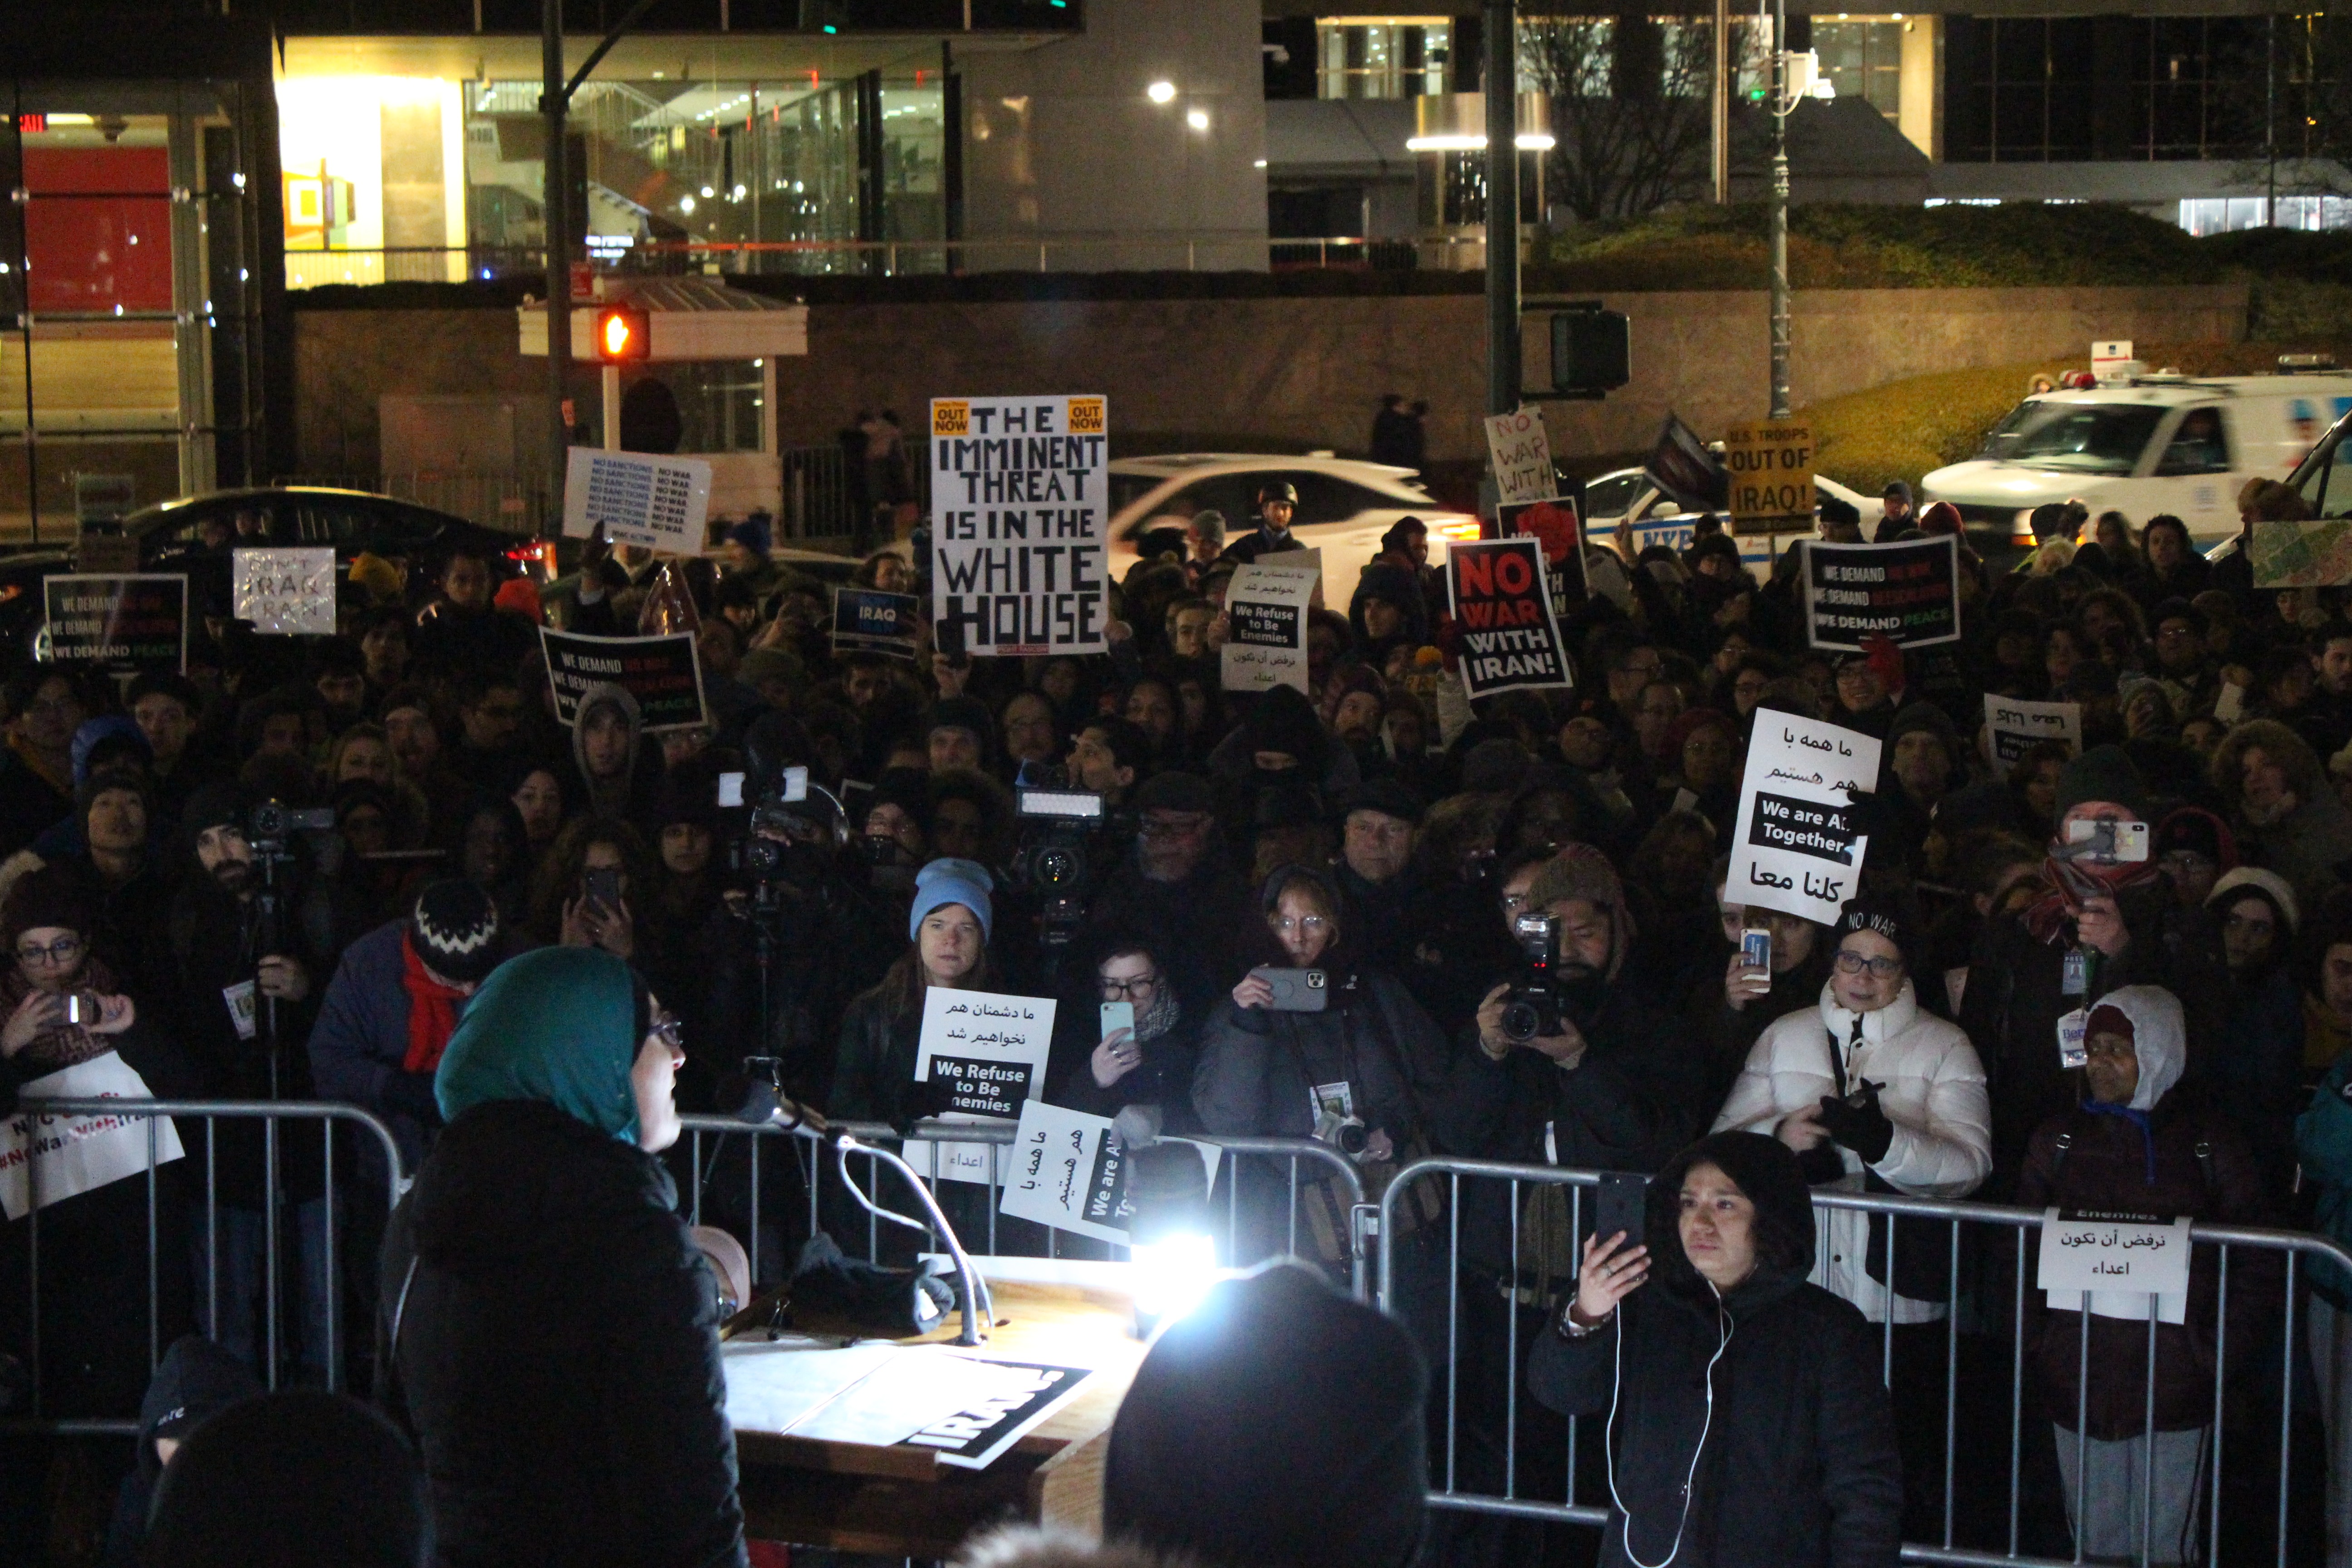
(553, 1329)
(1933, 1091)
(1792, 1462)
(630, 797)
(2174, 1157)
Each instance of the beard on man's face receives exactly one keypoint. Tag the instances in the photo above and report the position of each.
(234, 876)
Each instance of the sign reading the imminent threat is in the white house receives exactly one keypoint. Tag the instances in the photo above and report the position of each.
(1019, 515)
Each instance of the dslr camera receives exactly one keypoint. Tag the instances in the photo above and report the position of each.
(1548, 994)
(272, 822)
(1347, 1135)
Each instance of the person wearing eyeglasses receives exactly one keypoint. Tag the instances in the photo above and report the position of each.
(1875, 1093)
(1148, 1063)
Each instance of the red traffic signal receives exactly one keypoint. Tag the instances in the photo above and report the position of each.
(623, 333)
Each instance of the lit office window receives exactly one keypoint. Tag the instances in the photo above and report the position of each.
(1863, 57)
(1381, 57)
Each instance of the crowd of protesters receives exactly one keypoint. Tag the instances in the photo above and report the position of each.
(1379, 828)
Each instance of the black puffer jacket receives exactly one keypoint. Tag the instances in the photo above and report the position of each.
(1799, 1466)
(558, 1354)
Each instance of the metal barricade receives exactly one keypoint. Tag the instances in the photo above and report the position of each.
(1539, 1287)
(808, 1167)
(36, 1113)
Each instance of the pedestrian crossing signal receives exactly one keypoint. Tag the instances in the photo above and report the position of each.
(623, 333)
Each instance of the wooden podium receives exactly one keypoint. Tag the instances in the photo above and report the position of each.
(899, 1500)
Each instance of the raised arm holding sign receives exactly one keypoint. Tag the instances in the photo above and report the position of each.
(1796, 847)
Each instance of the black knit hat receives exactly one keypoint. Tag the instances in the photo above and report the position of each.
(454, 927)
(53, 896)
(1298, 1410)
(1885, 916)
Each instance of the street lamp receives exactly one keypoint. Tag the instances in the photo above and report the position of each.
(1793, 80)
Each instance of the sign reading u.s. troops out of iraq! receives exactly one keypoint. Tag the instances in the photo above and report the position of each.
(1020, 523)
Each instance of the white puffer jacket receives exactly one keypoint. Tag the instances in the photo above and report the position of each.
(1934, 1093)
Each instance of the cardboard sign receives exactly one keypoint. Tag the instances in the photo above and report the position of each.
(664, 674)
(1794, 848)
(1069, 1172)
(662, 503)
(129, 622)
(1522, 456)
(1560, 528)
(2118, 1260)
(1020, 509)
(2014, 726)
(1910, 593)
(867, 620)
(1502, 612)
(1685, 470)
(1265, 611)
(287, 593)
(988, 1051)
(1771, 468)
(45, 1161)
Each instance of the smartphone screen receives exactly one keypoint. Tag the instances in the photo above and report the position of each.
(603, 887)
(731, 789)
(1117, 1016)
(1756, 948)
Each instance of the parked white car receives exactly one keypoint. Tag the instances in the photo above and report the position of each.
(2143, 447)
(1344, 506)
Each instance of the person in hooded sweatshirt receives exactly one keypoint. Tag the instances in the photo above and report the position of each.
(195, 1379)
(2133, 1145)
(1748, 1427)
(619, 773)
(553, 1329)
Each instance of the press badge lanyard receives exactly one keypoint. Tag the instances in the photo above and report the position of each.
(2073, 1026)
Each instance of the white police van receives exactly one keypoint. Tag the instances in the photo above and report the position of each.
(2145, 444)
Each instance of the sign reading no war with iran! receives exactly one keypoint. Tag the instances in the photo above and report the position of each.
(1019, 510)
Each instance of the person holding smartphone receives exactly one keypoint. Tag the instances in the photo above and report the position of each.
(585, 893)
(1145, 1049)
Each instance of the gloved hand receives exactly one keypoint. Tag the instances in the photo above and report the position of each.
(1862, 1128)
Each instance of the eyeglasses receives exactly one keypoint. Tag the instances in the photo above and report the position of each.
(1513, 902)
(60, 952)
(670, 1033)
(1134, 990)
(1880, 968)
(1172, 827)
(1285, 924)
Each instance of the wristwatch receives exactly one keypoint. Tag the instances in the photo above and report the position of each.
(1570, 1329)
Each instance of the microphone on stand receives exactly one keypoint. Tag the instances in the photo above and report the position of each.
(765, 1104)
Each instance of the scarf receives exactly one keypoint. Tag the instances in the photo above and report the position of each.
(2071, 883)
(2138, 1118)
(431, 1010)
(68, 1044)
(1159, 1017)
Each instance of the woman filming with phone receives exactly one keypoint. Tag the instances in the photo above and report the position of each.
(1748, 1427)
(1143, 1049)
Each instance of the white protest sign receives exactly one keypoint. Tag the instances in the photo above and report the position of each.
(285, 593)
(2118, 1260)
(2014, 726)
(1020, 513)
(989, 1052)
(661, 503)
(1265, 615)
(1068, 1171)
(1795, 848)
(1522, 455)
(63, 1157)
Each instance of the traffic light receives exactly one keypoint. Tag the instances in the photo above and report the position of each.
(1592, 351)
(623, 333)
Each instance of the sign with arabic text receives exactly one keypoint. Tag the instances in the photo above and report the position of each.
(1018, 512)
(1266, 610)
(988, 1053)
(2118, 1260)
(1069, 1172)
(1796, 847)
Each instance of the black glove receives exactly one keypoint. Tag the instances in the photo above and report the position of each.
(882, 1301)
(411, 1094)
(1858, 1123)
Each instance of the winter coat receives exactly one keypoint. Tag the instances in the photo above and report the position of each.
(1796, 1459)
(557, 1351)
(2089, 1160)
(2323, 1143)
(358, 1043)
(1933, 1091)
(1259, 1067)
(873, 1069)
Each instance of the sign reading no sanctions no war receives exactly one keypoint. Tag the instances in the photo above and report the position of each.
(1796, 848)
(1018, 520)
(1771, 468)
(1910, 593)
(1502, 611)
(128, 621)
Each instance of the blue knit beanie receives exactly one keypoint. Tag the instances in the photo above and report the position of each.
(952, 881)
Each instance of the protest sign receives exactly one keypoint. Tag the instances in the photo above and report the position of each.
(50, 1158)
(2315, 554)
(1068, 1171)
(1019, 514)
(1771, 467)
(1909, 591)
(1522, 455)
(987, 1053)
(1502, 612)
(662, 503)
(664, 674)
(1558, 524)
(285, 592)
(2118, 1260)
(1685, 470)
(131, 621)
(1795, 847)
(1266, 610)
(2014, 726)
(867, 620)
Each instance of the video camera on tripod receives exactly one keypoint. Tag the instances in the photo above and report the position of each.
(1055, 858)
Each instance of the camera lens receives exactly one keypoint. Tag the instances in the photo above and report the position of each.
(1521, 1022)
(1350, 1137)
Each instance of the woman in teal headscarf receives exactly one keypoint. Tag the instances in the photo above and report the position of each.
(554, 1331)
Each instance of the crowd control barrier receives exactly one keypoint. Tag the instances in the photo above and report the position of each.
(1477, 1304)
(184, 1208)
